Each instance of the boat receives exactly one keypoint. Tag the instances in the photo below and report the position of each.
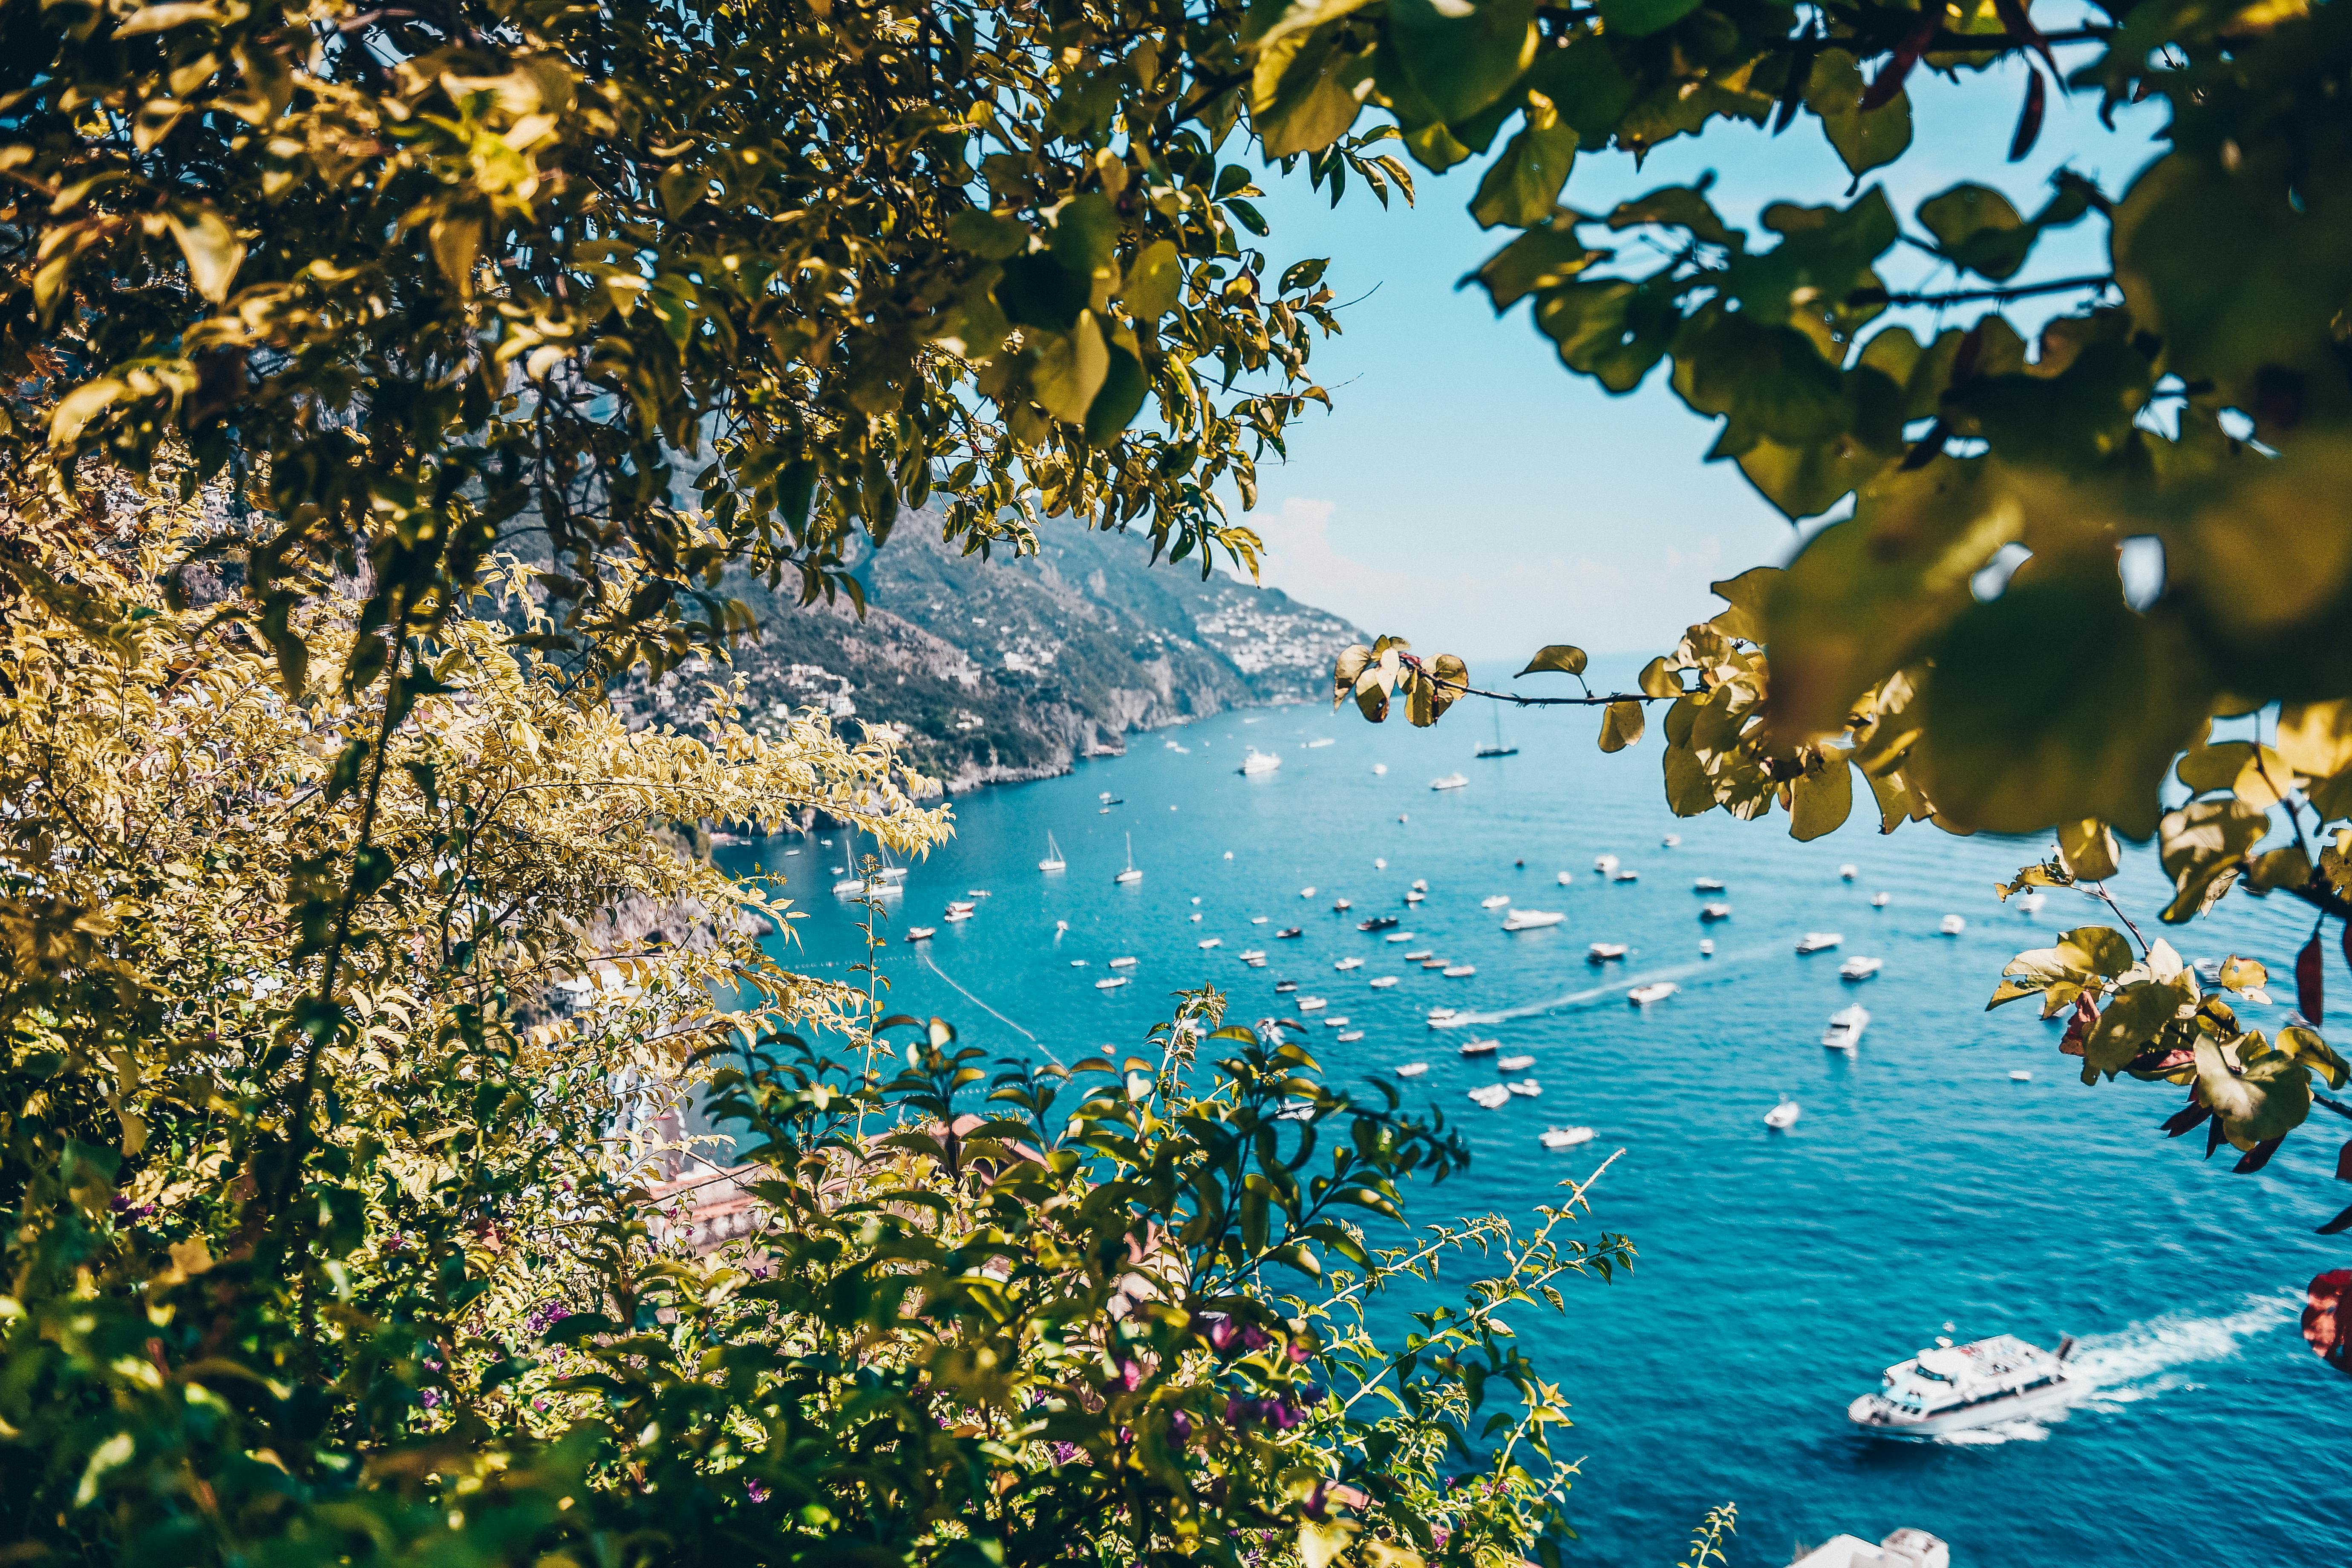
(1335, 1021)
(1707, 947)
(1195, 918)
(1846, 1026)
(925, 933)
(1525, 1088)
(1950, 925)
(1074, 963)
(1603, 951)
(1379, 923)
(1860, 968)
(1564, 878)
(1107, 798)
(1344, 964)
(1258, 963)
(1437, 1012)
(1783, 1116)
(2020, 1074)
(1053, 860)
(1286, 934)
(2029, 904)
(1478, 1047)
(1604, 863)
(1398, 936)
(1250, 954)
(1819, 940)
(1670, 841)
(1880, 901)
(1531, 920)
(1495, 902)
(1908, 1547)
(1716, 912)
(1351, 1036)
(1320, 741)
(1207, 942)
(1259, 761)
(1412, 1069)
(1420, 884)
(1514, 1064)
(1656, 990)
(1433, 963)
(1110, 983)
(1122, 963)
(1341, 906)
(1707, 885)
(1130, 874)
(1460, 971)
(1382, 982)
(1497, 749)
(1953, 1388)
(1847, 872)
(1415, 897)
(1312, 1003)
(1625, 874)
(1306, 892)
(1564, 1137)
(1257, 920)
(958, 913)
(1451, 781)
(1493, 1096)
(1417, 955)
(1284, 988)
(1379, 769)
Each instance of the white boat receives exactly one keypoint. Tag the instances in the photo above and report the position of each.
(1250, 954)
(1783, 1116)
(1312, 1003)
(1420, 884)
(1904, 1548)
(1412, 1069)
(1130, 874)
(1716, 912)
(1122, 963)
(1525, 1088)
(1105, 798)
(1848, 873)
(1604, 863)
(1074, 963)
(1514, 1064)
(1379, 864)
(1531, 920)
(1398, 936)
(1335, 1021)
(1670, 841)
(1284, 988)
(1343, 965)
(1437, 1013)
(1846, 1026)
(1383, 981)
(2020, 1074)
(1257, 920)
(1491, 1096)
(1258, 963)
(1110, 983)
(1819, 940)
(1707, 947)
(1053, 860)
(1564, 878)
(2029, 904)
(1707, 885)
(1656, 990)
(1950, 925)
(1207, 942)
(1859, 968)
(1341, 906)
(1415, 897)
(956, 916)
(1880, 901)
(1351, 1036)
(1494, 902)
(1259, 761)
(925, 933)
(1306, 892)
(1478, 1047)
(1460, 971)
(1320, 741)
(1953, 1388)
(1451, 781)
(1564, 1137)
(1625, 874)
(1603, 951)
(1379, 769)
(1417, 955)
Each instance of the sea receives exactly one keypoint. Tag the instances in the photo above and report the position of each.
(1924, 1191)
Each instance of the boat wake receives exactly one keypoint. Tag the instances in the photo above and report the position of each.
(984, 1008)
(1614, 990)
(2144, 1361)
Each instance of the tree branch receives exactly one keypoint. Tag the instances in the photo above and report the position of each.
(1964, 296)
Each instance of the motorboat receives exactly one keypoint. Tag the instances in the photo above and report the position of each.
(1670, 841)
(1525, 1088)
(1531, 920)
(1460, 971)
(1341, 906)
(1860, 968)
(1437, 1013)
(1259, 761)
(1656, 990)
(1514, 1064)
(1379, 923)
(1207, 942)
(1783, 1116)
(1880, 901)
(1414, 898)
(1306, 892)
(1195, 918)
(1953, 1388)
(1846, 1026)
(1412, 1069)
(1257, 920)
(1345, 964)
(1382, 982)
(1565, 877)
(1420, 884)
(1715, 913)
(925, 933)
(1707, 885)
(1286, 934)
(1847, 873)
(1451, 781)
(1398, 936)
(1564, 1137)
(1258, 963)
(1110, 983)
(1495, 902)
(1493, 1096)
(1707, 947)
(1312, 1003)
(1053, 860)
(2020, 1074)
(1603, 951)
(1252, 955)
(1107, 798)
(1130, 874)
(1625, 874)
(1074, 963)
(1950, 925)
(1604, 864)
(1478, 1047)
(1417, 955)
(1904, 1548)
(1433, 963)
(1335, 1021)
(1122, 963)
(1284, 988)
(1819, 940)
(1351, 1036)
(958, 913)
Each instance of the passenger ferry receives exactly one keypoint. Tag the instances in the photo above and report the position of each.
(1951, 1388)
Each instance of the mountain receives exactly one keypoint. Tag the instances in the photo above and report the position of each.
(1011, 668)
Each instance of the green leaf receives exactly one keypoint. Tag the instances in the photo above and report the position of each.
(2252, 1107)
(1462, 54)
(2087, 849)
(1543, 258)
(1071, 368)
(1120, 399)
(1154, 283)
(1523, 186)
(1562, 657)
(1820, 802)
(1640, 18)
(1863, 141)
(1613, 331)
(1304, 91)
(1621, 725)
(1978, 228)
(2130, 1022)
(990, 236)
(2287, 866)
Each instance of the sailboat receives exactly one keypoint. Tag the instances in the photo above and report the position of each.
(1130, 874)
(1053, 860)
(1498, 748)
(885, 879)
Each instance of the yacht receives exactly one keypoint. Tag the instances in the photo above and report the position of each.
(1498, 748)
(1846, 1026)
(925, 933)
(1412, 1069)
(1252, 955)
(1382, 982)
(1344, 964)
(1478, 1047)
(1130, 874)
(1284, 988)
(1951, 1388)
(1110, 983)
(1514, 1064)
(1460, 971)
(1286, 934)
(1860, 968)
(1625, 874)
(1716, 912)
(1437, 1013)
(1053, 860)
(1495, 902)
(1819, 940)
(1783, 1116)
(1564, 1137)
(1122, 963)
(1880, 901)
(1531, 920)
(958, 913)
(1603, 951)
(1259, 761)
(1493, 1096)
(1417, 955)
(1656, 990)
(1707, 885)
(1312, 1003)
(1525, 1088)
(1451, 781)
(1950, 925)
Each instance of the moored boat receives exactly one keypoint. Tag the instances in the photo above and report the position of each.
(1259, 761)
(1565, 1137)
(1478, 1047)
(1846, 1026)
(1460, 971)
(1451, 781)
(1819, 940)
(1603, 951)
(1053, 860)
(1950, 925)
(1495, 902)
(1130, 875)
(1382, 982)
(925, 933)
(1860, 968)
(1412, 1069)
(1531, 920)
(1707, 885)
(1525, 1087)
(1312, 1003)
(1110, 983)
(1122, 963)
(1286, 934)
(1715, 913)
(1783, 1116)
(1514, 1064)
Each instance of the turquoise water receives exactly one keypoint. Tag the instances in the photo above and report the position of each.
(1778, 1273)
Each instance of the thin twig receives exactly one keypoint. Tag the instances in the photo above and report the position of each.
(1965, 295)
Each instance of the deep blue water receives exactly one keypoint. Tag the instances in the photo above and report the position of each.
(1776, 1273)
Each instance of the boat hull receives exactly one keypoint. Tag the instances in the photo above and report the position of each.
(1867, 1410)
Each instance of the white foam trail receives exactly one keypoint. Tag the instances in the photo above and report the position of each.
(1617, 988)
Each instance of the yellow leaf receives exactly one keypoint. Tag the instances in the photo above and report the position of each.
(1820, 801)
(1070, 370)
(2316, 738)
(1621, 725)
(211, 247)
(2088, 850)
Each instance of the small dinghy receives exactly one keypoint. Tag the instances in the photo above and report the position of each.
(1819, 940)
(1412, 1069)
(1531, 920)
(1335, 1021)
(1122, 963)
(1350, 1037)
(1420, 884)
(1383, 981)
(1207, 942)
(1414, 898)
(1341, 906)
(1496, 902)
(1286, 934)
(1603, 951)
(925, 933)
(1707, 947)
(1950, 925)
(1525, 1088)
(2020, 1074)
(1398, 936)
(1514, 1064)
(1716, 912)
(1110, 983)
(1478, 1047)
(1783, 1116)
(1460, 971)
(1860, 968)
(1312, 1003)
(1451, 781)
(1564, 1137)
(1847, 873)
(1657, 991)
(1604, 863)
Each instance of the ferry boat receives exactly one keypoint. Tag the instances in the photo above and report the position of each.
(1860, 968)
(1819, 940)
(1495, 902)
(1952, 1388)
(1451, 781)
(1531, 920)
(1514, 1064)
(1716, 912)
(1565, 1137)
(1259, 761)
(1846, 1026)
(1707, 885)
(1053, 860)
(1656, 990)
(1130, 874)
(1478, 1047)
(1603, 951)
(1950, 925)
(1412, 1069)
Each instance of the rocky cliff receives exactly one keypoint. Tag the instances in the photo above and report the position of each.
(1010, 668)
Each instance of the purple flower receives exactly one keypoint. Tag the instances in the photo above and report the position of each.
(430, 1397)
(1063, 1452)
(1300, 1350)
(1254, 1338)
(755, 1491)
(1180, 1425)
(1220, 1333)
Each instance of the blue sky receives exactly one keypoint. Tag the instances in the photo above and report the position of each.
(1472, 495)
